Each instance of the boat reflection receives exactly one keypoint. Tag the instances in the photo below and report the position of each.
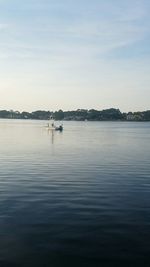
(52, 131)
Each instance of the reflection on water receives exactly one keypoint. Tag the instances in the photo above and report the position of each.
(52, 133)
(77, 198)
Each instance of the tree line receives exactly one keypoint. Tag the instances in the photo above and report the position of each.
(111, 114)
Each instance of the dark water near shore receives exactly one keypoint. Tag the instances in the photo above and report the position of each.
(77, 198)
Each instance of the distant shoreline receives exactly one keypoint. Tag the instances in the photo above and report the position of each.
(111, 114)
(19, 119)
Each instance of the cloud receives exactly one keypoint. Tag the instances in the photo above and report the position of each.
(3, 26)
(69, 48)
(93, 30)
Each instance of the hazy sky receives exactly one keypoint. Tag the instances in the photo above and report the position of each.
(73, 54)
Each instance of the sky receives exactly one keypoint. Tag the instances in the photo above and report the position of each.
(66, 54)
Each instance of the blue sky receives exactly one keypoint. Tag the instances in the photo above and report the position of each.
(74, 54)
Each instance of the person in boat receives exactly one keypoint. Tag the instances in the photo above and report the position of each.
(60, 128)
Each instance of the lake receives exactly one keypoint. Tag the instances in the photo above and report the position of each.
(76, 198)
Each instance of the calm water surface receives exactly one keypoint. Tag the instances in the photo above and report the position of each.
(77, 198)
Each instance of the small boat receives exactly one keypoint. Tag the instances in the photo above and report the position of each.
(59, 128)
(52, 127)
